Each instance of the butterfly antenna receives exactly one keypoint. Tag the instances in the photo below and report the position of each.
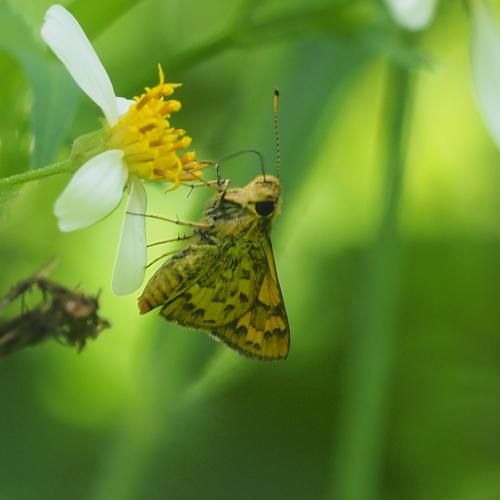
(277, 131)
(242, 152)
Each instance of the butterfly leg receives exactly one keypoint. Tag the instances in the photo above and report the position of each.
(216, 184)
(199, 225)
(185, 249)
(172, 240)
(166, 254)
(213, 184)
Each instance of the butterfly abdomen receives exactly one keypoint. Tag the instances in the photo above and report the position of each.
(159, 288)
(166, 281)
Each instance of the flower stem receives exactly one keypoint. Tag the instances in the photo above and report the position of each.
(61, 167)
(361, 429)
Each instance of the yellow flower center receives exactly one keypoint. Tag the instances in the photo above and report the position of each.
(150, 145)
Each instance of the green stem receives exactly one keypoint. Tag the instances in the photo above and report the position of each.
(340, 18)
(195, 55)
(61, 167)
(367, 376)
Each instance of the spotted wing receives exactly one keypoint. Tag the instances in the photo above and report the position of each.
(221, 288)
(170, 280)
(262, 332)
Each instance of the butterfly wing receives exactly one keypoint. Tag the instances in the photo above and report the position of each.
(221, 288)
(172, 277)
(234, 294)
(262, 331)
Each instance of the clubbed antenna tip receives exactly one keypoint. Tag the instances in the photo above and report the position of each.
(277, 130)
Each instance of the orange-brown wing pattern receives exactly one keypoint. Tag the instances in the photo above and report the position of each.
(171, 278)
(263, 331)
(222, 287)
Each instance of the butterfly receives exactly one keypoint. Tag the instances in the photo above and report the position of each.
(225, 282)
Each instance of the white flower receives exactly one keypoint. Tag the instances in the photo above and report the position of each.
(413, 15)
(485, 60)
(140, 144)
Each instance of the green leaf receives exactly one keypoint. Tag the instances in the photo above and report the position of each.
(14, 125)
(55, 96)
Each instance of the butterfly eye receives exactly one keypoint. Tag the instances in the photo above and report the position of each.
(264, 208)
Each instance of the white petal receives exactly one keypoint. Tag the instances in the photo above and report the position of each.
(412, 15)
(485, 60)
(123, 105)
(93, 192)
(131, 257)
(65, 37)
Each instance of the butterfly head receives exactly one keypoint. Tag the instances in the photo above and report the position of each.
(261, 196)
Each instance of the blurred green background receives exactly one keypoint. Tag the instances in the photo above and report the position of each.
(387, 250)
